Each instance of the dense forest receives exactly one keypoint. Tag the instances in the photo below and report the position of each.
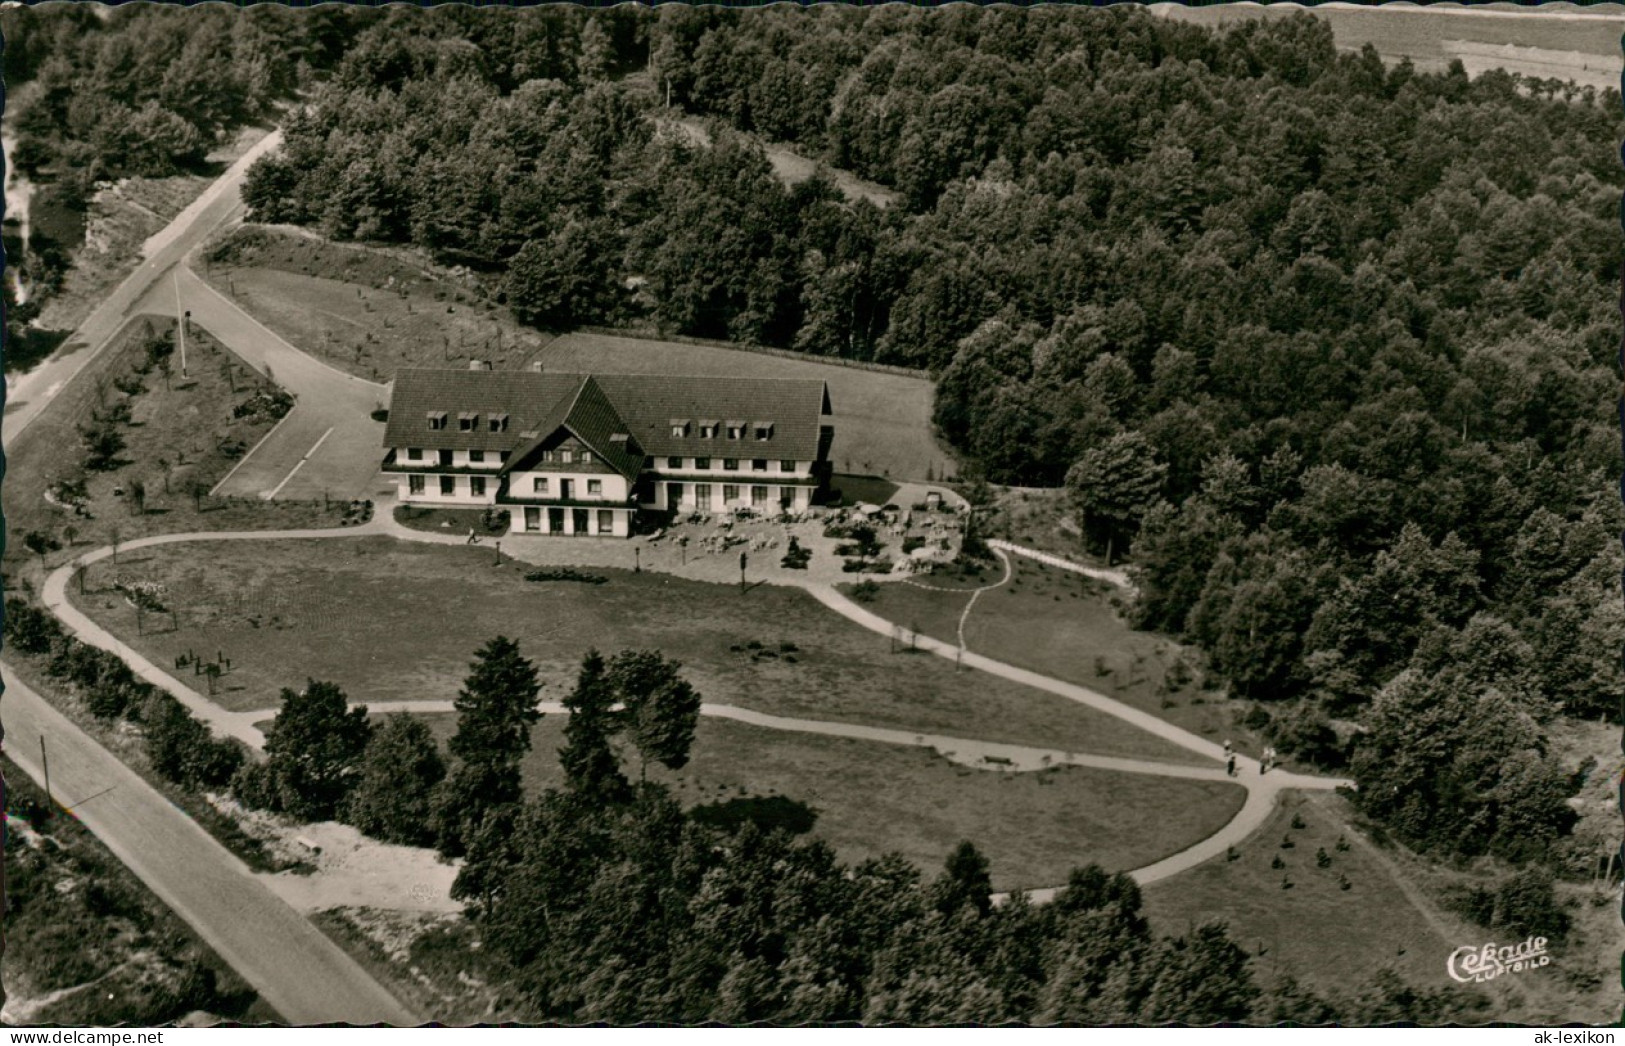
(1326, 345)
(95, 94)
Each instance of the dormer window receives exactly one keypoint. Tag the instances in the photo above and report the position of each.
(414, 454)
(708, 429)
(468, 421)
(567, 456)
(437, 419)
(679, 427)
(764, 430)
(586, 457)
(736, 430)
(499, 422)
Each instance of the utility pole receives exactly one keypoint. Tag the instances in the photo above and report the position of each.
(741, 573)
(45, 766)
(180, 323)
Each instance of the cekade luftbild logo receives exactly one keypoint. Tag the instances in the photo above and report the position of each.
(1471, 963)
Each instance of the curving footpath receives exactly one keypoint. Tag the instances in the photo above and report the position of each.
(297, 970)
(1114, 577)
(1262, 789)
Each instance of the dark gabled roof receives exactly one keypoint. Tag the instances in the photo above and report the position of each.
(592, 418)
(525, 396)
(644, 407)
(649, 404)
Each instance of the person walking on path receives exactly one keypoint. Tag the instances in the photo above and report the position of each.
(1229, 749)
(1230, 766)
(472, 539)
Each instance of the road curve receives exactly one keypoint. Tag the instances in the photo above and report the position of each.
(298, 971)
(219, 203)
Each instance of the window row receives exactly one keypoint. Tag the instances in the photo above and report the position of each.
(736, 430)
(544, 485)
(730, 464)
(475, 457)
(731, 494)
(468, 421)
(448, 485)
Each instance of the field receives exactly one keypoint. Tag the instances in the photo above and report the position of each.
(866, 799)
(392, 621)
(1584, 48)
(87, 944)
(1059, 623)
(1356, 931)
(363, 310)
(178, 432)
(1390, 916)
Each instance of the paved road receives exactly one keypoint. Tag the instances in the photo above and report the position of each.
(300, 973)
(304, 976)
(218, 204)
(328, 444)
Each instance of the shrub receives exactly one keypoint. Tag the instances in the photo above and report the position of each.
(1255, 718)
(266, 403)
(865, 591)
(1305, 733)
(566, 574)
(28, 628)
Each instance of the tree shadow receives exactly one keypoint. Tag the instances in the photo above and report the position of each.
(766, 812)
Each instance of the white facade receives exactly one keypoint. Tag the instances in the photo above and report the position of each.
(568, 486)
(406, 457)
(447, 489)
(570, 521)
(771, 468)
(725, 493)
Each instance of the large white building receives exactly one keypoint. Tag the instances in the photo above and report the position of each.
(580, 454)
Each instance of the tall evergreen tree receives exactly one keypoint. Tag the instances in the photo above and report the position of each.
(495, 710)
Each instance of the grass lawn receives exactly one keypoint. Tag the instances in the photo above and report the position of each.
(1355, 931)
(366, 311)
(866, 799)
(183, 431)
(390, 621)
(1059, 623)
